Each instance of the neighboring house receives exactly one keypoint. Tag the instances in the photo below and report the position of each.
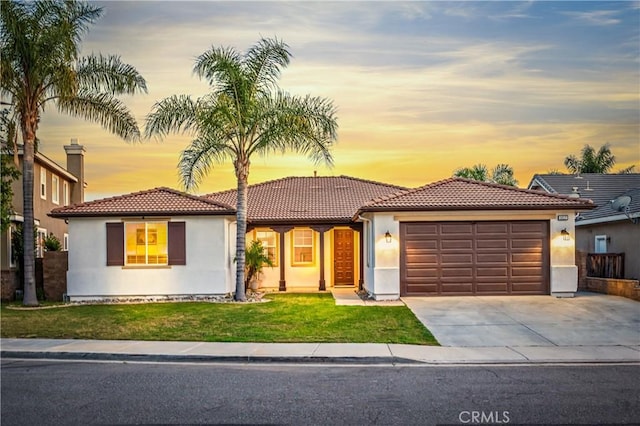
(453, 237)
(54, 186)
(606, 229)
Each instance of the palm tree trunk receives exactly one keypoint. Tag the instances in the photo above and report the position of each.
(28, 136)
(242, 174)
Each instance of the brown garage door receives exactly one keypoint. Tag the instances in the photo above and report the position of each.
(466, 258)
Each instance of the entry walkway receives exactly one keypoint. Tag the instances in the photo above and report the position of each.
(347, 296)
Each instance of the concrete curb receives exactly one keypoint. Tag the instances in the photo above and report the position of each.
(124, 357)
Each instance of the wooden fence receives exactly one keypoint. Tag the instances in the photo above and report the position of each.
(605, 265)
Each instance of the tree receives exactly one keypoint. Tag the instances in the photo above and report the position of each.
(41, 65)
(9, 170)
(591, 161)
(502, 174)
(244, 115)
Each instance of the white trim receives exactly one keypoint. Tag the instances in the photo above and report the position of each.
(65, 193)
(42, 159)
(596, 240)
(43, 183)
(42, 234)
(65, 242)
(55, 189)
(12, 260)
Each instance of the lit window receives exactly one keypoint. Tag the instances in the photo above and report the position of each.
(12, 247)
(43, 183)
(269, 240)
(65, 193)
(55, 189)
(42, 235)
(65, 242)
(146, 243)
(302, 247)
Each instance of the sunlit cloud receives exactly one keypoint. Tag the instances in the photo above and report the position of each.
(421, 88)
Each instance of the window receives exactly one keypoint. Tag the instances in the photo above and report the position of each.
(65, 242)
(43, 183)
(42, 235)
(146, 243)
(55, 189)
(11, 248)
(601, 244)
(269, 240)
(65, 193)
(303, 247)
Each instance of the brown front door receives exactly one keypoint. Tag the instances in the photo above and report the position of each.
(343, 257)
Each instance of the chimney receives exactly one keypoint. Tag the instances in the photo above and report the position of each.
(75, 166)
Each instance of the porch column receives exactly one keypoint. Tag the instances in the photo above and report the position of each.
(322, 286)
(359, 228)
(281, 230)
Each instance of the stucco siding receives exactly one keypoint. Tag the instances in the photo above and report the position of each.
(206, 271)
(622, 237)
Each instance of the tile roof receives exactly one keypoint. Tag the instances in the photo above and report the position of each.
(300, 199)
(600, 188)
(152, 202)
(466, 194)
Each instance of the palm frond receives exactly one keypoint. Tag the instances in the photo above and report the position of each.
(197, 159)
(220, 66)
(177, 113)
(108, 73)
(102, 108)
(264, 62)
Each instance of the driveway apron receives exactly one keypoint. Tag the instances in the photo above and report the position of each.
(589, 319)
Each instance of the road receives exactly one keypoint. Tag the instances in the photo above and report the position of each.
(71, 392)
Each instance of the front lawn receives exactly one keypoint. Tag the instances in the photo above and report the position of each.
(287, 318)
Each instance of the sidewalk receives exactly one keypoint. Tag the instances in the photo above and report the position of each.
(310, 353)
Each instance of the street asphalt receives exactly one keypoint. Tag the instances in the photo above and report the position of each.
(472, 330)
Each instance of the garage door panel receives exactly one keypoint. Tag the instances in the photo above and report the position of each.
(450, 258)
(492, 228)
(456, 244)
(456, 228)
(492, 258)
(492, 272)
(492, 244)
(464, 258)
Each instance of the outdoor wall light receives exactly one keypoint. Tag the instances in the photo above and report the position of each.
(387, 236)
(565, 234)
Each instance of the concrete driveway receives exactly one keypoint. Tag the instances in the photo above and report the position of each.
(589, 319)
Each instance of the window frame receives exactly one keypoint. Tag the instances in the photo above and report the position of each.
(312, 262)
(65, 193)
(55, 189)
(13, 262)
(276, 246)
(43, 183)
(65, 242)
(603, 239)
(41, 236)
(146, 223)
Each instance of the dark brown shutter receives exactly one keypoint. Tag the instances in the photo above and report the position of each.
(115, 244)
(177, 243)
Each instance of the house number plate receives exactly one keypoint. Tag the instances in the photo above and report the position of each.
(562, 217)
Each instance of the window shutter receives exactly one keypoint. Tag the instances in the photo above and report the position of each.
(177, 243)
(115, 244)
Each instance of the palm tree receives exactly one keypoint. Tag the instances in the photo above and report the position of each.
(502, 174)
(591, 161)
(41, 66)
(245, 114)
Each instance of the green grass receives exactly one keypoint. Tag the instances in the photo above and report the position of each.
(287, 318)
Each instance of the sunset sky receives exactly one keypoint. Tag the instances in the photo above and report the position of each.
(421, 88)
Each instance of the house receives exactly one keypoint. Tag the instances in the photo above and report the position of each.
(609, 228)
(453, 237)
(54, 186)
